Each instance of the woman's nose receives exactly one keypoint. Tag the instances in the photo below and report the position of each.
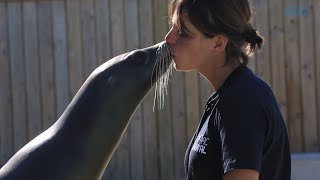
(169, 38)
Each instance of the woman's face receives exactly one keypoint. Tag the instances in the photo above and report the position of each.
(191, 51)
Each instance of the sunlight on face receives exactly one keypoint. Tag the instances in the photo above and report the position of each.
(189, 46)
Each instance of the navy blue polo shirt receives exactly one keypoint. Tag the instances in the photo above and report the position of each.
(241, 128)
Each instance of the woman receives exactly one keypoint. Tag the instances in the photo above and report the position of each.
(242, 134)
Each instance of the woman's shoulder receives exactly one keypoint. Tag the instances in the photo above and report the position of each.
(249, 88)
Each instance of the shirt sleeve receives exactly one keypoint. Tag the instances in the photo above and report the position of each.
(242, 128)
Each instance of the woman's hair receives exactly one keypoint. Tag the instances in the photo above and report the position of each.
(228, 17)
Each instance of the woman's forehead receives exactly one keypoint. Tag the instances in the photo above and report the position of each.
(173, 18)
(176, 17)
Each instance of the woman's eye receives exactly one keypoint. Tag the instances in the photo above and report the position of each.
(182, 34)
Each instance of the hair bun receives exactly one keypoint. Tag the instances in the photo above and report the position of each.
(253, 38)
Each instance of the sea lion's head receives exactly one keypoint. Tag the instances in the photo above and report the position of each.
(134, 73)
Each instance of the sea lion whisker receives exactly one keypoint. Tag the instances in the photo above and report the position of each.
(162, 73)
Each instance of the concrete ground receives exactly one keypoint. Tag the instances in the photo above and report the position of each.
(306, 166)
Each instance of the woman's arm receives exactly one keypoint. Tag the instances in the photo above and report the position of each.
(241, 174)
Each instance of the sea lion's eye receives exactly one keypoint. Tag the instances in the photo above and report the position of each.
(139, 55)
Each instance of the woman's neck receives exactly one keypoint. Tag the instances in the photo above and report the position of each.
(217, 71)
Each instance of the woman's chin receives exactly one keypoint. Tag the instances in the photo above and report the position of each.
(181, 68)
(176, 67)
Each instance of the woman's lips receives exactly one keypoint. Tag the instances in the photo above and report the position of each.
(172, 56)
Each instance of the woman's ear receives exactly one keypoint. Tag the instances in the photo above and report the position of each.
(219, 43)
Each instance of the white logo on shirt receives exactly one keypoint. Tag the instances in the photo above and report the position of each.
(201, 141)
(200, 144)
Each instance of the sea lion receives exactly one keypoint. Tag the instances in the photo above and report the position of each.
(79, 145)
